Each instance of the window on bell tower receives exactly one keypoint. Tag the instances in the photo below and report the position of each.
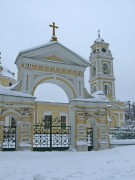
(94, 70)
(105, 89)
(105, 68)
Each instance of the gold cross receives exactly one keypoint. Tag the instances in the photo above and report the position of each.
(54, 38)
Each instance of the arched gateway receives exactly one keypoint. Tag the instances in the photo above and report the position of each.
(52, 63)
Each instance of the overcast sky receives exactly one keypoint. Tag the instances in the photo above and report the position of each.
(25, 24)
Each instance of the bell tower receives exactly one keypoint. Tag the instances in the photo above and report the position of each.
(101, 68)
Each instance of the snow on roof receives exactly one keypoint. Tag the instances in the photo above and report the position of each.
(36, 47)
(99, 93)
(4, 71)
(50, 43)
(98, 96)
(7, 91)
(99, 39)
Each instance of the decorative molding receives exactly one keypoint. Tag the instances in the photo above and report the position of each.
(11, 111)
(81, 126)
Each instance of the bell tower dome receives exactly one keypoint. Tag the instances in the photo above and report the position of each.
(101, 68)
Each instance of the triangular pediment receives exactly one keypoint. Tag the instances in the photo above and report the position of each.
(56, 52)
(53, 58)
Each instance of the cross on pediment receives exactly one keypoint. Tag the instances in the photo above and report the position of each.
(54, 38)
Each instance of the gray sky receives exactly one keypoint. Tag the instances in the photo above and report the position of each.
(25, 24)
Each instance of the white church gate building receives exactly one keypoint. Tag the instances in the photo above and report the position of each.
(82, 123)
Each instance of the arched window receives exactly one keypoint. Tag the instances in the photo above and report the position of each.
(105, 68)
(105, 89)
(94, 51)
(94, 70)
(103, 50)
(10, 121)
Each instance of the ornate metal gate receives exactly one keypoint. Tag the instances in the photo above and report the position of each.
(90, 138)
(9, 138)
(51, 135)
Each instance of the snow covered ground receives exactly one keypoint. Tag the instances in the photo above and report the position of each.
(114, 164)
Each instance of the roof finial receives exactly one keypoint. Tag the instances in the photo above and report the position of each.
(54, 38)
(98, 33)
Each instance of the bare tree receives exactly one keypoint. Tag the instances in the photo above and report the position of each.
(130, 113)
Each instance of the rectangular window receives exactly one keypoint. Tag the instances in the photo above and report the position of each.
(63, 122)
(47, 120)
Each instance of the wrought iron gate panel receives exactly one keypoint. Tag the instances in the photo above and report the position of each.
(60, 137)
(48, 138)
(41, 137)
(90, 138)
(9, 138)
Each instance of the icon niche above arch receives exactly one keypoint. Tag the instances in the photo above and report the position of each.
(52, 63)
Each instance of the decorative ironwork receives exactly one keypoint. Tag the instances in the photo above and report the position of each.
(122, 133)
(9, 138)
(90, 138)
(49, 136)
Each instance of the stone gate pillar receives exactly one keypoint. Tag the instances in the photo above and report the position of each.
(85, 113)
(104, 136)
(72, 123)
(78, 126)
(24, 136)
(18, 124)
(25, 128)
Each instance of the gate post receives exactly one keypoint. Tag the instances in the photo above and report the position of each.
(50, 133)
(18, 124)
(72, 123)
(24, 136)
(1, 134)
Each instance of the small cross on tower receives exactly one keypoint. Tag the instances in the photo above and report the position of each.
(98, 33)
(54, 38)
